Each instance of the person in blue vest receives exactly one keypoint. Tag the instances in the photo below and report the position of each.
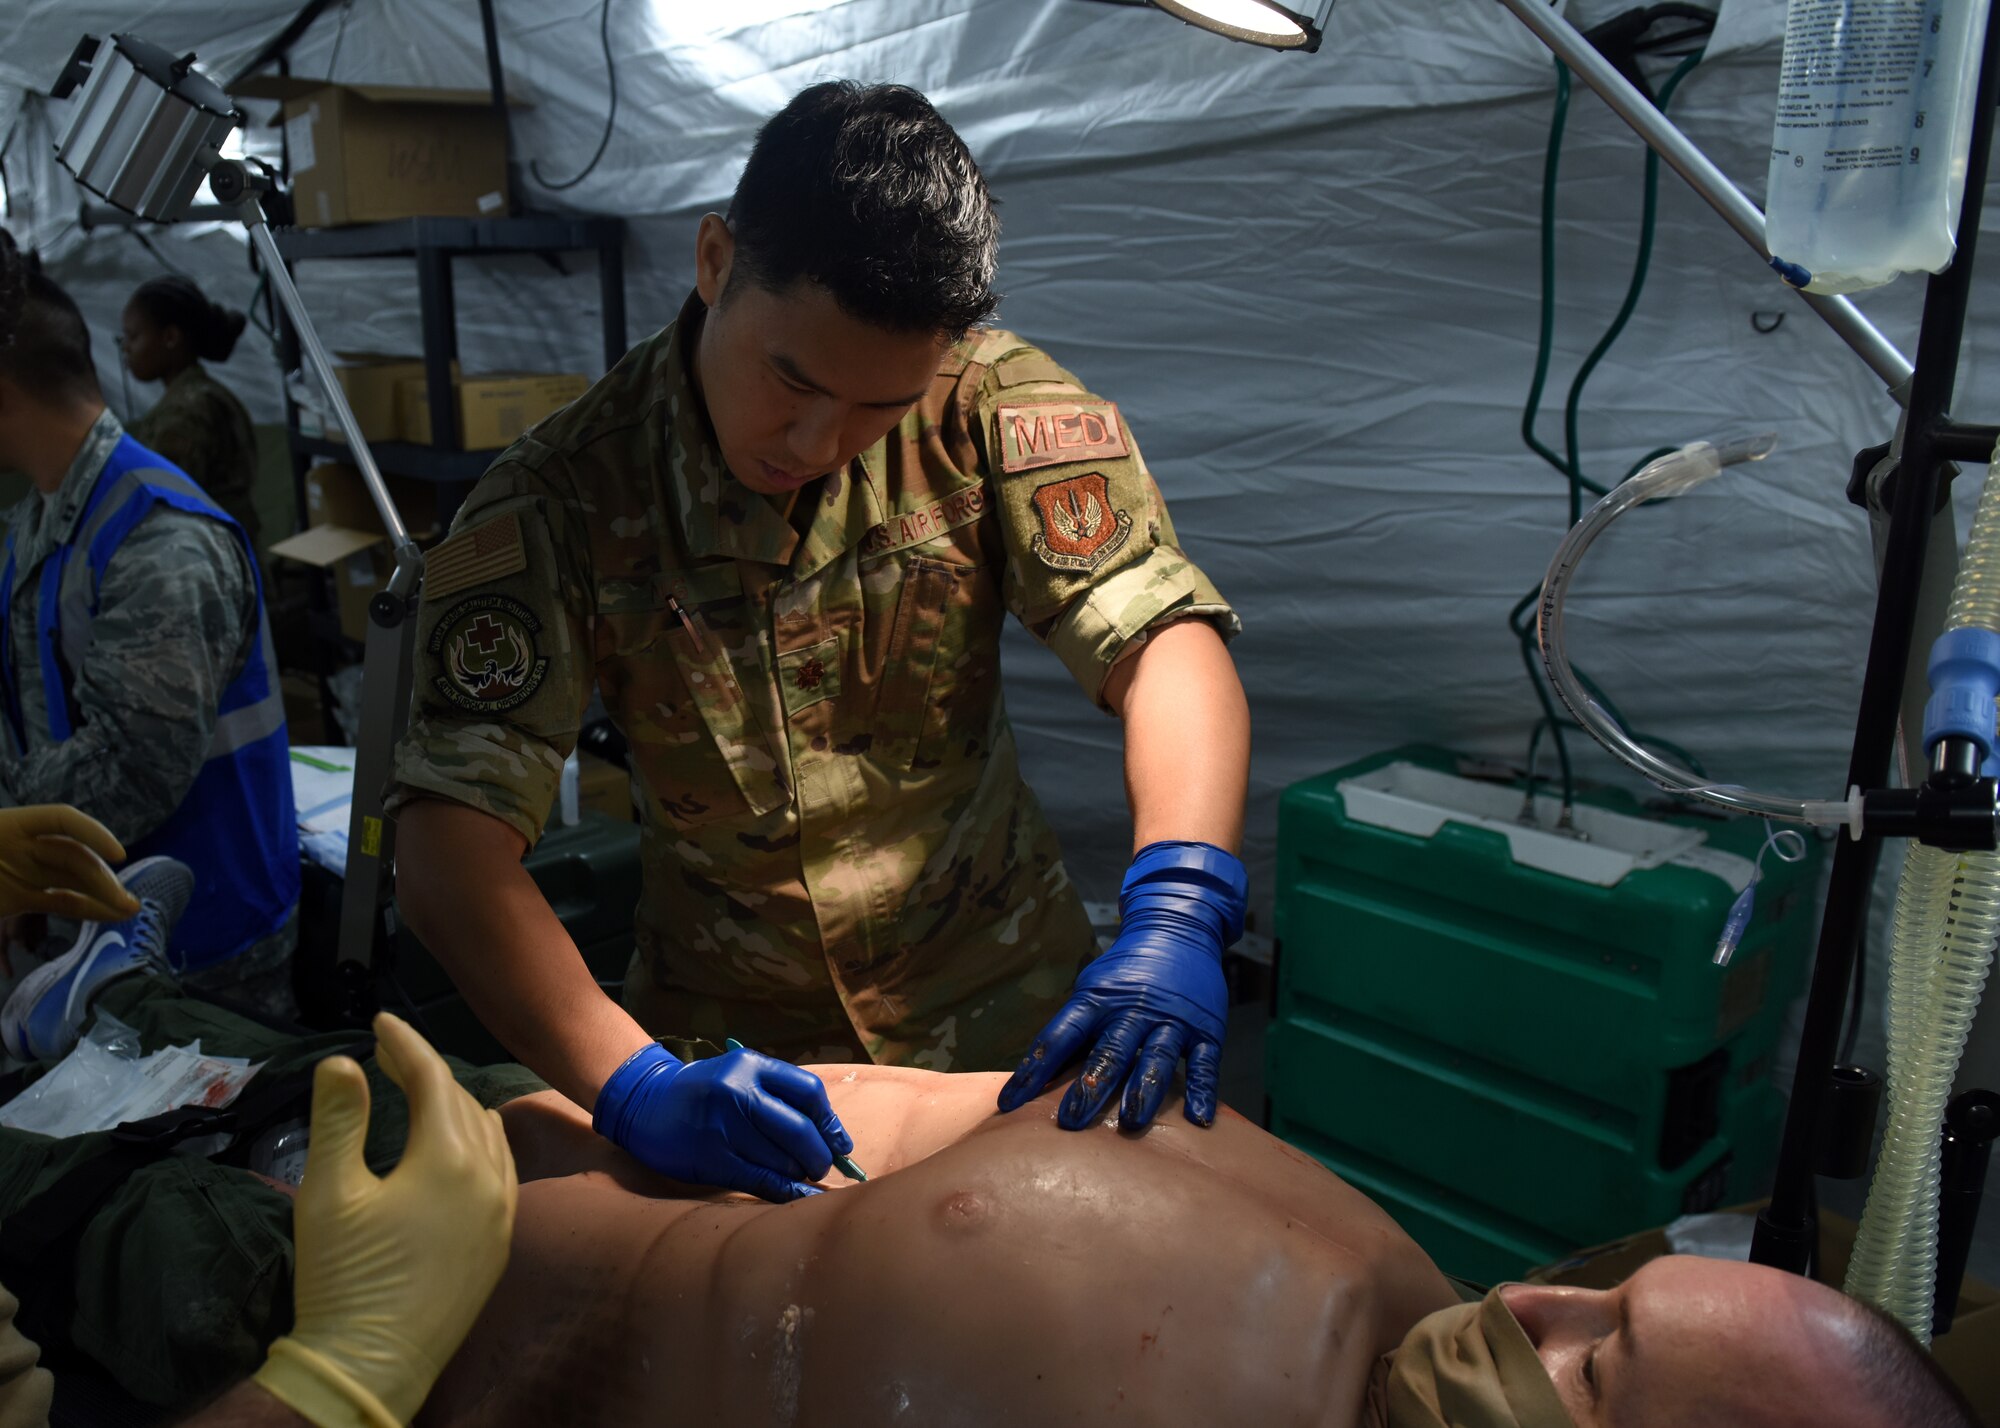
(136, 669)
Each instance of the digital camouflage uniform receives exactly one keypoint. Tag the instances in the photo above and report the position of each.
(200, 426)
(177, 611)
(840, 856)
(176, 614)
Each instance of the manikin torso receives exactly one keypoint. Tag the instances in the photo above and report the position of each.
(995, 1270)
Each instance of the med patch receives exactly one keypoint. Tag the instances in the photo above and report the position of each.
(1079, 530)
(487, 654)
(1057, 433)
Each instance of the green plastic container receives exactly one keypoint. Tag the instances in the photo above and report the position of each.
(1520, 1047)
(589, 872)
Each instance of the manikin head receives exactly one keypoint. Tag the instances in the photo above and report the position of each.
(48, 385)
(859, 246)
(169, 325)
(1686, 1340)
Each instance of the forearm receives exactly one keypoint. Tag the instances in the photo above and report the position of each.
(246, 1406)
(462, 888)
(114, 772)
(1187, 737)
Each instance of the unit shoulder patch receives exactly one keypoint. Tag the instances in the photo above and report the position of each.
(486, 552)
(487, 655)
(1079, 528)
(1054, 433)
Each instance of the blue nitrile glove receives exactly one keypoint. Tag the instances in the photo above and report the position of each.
(743, 1121)
(1157, 993)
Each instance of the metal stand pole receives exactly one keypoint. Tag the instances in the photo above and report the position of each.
(386, 661)
(1685, 159)
(1786, 1234)
(1785, 1230)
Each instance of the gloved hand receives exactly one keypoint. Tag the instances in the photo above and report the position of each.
(53, 860)
(742, 1120)
(1157, 993)
(390, 1272)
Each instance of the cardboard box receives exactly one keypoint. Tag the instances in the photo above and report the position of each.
(357, 562)
(344, 536)
(336, 496)
(1969, 1354)
(493, 408)
(365, 153)
(369, 380)
(305, 720)
(603, 788)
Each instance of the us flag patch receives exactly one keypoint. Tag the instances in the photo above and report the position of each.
(486, 552)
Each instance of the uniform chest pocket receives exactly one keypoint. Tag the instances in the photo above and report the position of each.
(696, 746)
(941, 670)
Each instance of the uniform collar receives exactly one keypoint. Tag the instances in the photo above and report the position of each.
(720, 516)
(187, 379)
(42, 522)
(718, 513)
(849, 505)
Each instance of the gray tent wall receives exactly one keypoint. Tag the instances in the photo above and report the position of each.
(1310, 282)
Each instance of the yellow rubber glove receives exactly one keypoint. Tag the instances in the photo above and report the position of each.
(54, 859)
(391, 1271)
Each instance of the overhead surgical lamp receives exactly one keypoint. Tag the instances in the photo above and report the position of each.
(1254, 22)
(144, 130)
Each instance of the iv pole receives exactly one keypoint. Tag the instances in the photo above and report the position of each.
(1787, 1232)
(1910, 484)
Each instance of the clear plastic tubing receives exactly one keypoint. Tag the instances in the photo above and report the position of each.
(1671, 475)
(1941, 947)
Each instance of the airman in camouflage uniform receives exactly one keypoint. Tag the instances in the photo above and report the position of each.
(176, 612)
(199, 425)
(178, 618)
(841, 858)
(779, 538)
(137, 676)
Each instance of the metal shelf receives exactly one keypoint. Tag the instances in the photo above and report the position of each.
(453, 237)
(402, 458)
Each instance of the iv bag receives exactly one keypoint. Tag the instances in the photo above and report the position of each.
(1869, 146)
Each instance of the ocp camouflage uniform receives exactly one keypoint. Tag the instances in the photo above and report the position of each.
(200, 426)
(841, 858)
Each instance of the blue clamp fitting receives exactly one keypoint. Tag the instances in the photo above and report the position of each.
(1965, 679)
(1794, 275)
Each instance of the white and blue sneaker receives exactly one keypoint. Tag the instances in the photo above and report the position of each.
(43, 1017)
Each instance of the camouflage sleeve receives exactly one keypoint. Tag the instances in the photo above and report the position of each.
(177, 610)
(179, 431)
(1092, 561)
(503, 659)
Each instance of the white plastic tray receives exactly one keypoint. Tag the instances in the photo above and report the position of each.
(1409, 798)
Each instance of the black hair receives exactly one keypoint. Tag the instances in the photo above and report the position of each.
(868, 192)
(1906, 1383)
(44, 344)
(210, 328)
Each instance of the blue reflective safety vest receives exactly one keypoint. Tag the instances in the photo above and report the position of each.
(236, 827)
